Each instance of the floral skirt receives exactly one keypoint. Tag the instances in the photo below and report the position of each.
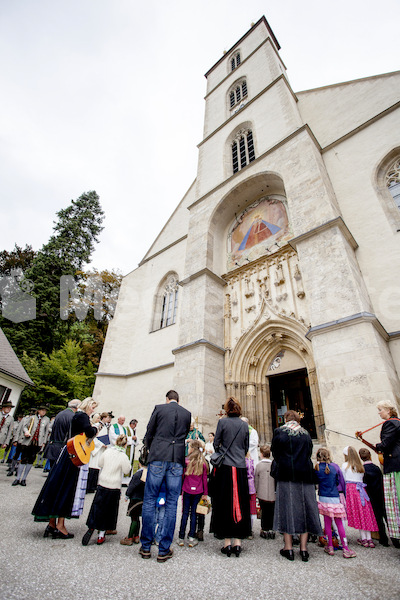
(359, 516)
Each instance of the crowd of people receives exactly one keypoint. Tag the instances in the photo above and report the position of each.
(231, 475)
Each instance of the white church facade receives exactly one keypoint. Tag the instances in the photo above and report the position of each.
(276, 279)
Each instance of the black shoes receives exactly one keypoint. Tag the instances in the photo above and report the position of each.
(15, 482)
(289, 554)
(304, 555)
(87, 536)
(49, 531)
(59, 535)
(23, 482)
(236, 550)
(227, 550)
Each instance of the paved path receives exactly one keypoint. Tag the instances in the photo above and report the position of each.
(34, 568)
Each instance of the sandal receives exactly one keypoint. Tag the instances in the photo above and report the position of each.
(349, 553)
(329, 550)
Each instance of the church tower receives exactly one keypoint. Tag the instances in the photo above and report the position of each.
(258, 268)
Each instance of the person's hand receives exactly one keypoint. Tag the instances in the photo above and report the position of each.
(4, 446)
(26, 434)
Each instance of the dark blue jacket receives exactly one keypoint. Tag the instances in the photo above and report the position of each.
(327, 482)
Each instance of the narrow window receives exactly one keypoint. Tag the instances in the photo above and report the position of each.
(166, 303)
(244, 89)
(237, 59)
(243, 148)
(233, 63)
(393, 181)
(232, 99)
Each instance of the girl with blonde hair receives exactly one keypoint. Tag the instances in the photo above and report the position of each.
(194, 488)
(360, 514)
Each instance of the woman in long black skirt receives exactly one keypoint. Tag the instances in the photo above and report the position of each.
(63, 492)
(230, 519)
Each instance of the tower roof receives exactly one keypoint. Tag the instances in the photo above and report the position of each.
(262, 20)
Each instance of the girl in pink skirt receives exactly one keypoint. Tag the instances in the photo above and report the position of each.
(360, 514)
(329, 504)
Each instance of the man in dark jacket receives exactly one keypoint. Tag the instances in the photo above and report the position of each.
(165, 438)
(60, 432)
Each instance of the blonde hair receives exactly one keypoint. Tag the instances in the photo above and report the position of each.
(121, 440)
(389, 406)
(88, 403)
(323, 455)
(196, 458)
(353, 461)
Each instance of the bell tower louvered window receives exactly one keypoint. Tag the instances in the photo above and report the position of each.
(235, 61)
(238, 93)
(242, 150)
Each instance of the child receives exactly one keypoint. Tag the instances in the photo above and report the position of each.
(359, 510)
(134, 494)
(252, 491)
(265, 490)
(373, 479)
(193, 489)
(103, 513)
(329, 504)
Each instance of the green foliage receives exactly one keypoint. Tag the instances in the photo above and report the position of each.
(59, 377)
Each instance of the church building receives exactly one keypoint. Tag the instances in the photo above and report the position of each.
(276, 278)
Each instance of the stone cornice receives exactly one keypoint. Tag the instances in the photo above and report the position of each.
(248, 168)
(204, 271)
(361, 127)
(336, 222)
(242, 110)
(136, 373)
(197, 343)
(363, 317)
(145, 260)
(394, 335)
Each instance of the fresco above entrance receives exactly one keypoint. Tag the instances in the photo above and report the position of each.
(260, 229)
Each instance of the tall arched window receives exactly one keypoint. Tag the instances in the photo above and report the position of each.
(166, 302)
(393, 181)
(242, 150)
(235, 61)
(238, 93)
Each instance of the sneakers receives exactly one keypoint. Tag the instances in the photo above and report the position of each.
(192, 542)
(329, 550)
(126, 541)
(180, 542)
(144, 553)
(371, 544)
(164, 557)
(271, 534)
(349, 553)
(363, 543)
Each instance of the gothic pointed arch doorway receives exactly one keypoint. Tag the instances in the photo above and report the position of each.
(272, 369)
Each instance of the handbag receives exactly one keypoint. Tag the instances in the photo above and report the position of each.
(217, 458)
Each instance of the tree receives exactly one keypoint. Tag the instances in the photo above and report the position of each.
(58, 377)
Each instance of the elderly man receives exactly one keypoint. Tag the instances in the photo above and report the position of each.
(60, 431)
(165, 438)
(6, 424)
(32, 437)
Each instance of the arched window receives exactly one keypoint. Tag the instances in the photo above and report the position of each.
(238, 93)
(242, 150)
(235, 61)
(166, 302)
(393, 181)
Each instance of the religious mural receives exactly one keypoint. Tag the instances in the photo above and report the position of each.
(260, 229)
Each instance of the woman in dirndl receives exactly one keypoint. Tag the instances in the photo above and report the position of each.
(296, 508)
(390, 447)
(230, 519)
(63, 494)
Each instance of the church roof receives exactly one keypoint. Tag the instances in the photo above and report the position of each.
(9, 362)
(262, 20)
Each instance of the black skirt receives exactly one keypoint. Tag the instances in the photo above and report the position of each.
(56, 497)
(296, 508)
(224, 524)
(103, 513)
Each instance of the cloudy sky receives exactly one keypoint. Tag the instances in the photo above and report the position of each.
(109, 95)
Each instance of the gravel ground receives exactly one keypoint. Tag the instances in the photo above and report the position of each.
(37, 569)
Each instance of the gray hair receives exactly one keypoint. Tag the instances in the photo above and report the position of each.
(75, 403)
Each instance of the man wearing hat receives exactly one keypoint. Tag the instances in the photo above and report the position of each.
(32, 437)
(6, 424)
(60, 431)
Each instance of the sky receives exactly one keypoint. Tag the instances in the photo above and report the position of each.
(108, 95)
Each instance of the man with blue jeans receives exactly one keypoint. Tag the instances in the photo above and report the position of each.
(165, 437)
